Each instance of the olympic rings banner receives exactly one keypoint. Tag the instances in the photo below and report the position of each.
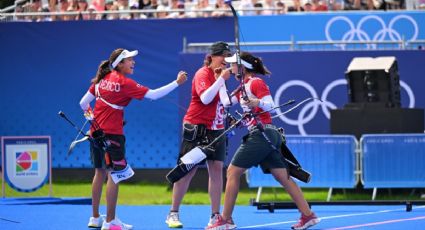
(361, 26)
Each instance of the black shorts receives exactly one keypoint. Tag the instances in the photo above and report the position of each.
(116, 150)
(255, 150)
(220, 146)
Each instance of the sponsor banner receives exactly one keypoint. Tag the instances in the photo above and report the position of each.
(26, 162)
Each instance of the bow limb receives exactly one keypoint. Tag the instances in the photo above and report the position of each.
(239, 74)
(296, 106)
(290, 102)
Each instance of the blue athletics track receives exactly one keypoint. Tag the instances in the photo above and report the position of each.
(62, 215)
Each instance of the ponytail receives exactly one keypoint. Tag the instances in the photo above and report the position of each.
(102, 71)
(256, 62)
(105, 66)
(259, 67)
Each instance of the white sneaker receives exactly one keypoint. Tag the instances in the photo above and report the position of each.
(95, 222)
(173, 220)
(213, 219)
(116, 224)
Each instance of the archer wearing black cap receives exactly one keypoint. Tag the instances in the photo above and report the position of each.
(219, 49)
(202, 123)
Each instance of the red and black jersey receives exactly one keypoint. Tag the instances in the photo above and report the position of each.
(211, 114)
(255, 87)
(118, 90)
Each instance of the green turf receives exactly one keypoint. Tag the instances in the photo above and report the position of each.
(147, 194)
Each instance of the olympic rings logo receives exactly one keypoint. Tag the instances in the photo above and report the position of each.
(313, 106)
(380, 35)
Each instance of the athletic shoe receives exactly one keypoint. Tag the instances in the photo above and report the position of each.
(221, 224)
(116, 224)
(173, 220)
(95, 222)
(213, 219)
(306, 222)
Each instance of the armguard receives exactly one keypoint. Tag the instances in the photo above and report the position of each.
(188, 162)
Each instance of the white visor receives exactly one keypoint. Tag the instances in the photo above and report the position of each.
(233, 59)
(124, 54)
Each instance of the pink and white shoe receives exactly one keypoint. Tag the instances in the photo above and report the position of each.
(306, 221)
(221, 224)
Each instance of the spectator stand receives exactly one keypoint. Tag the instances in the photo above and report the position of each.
(32, 10)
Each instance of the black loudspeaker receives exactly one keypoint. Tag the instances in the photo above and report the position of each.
(359, 121)
(373, 82)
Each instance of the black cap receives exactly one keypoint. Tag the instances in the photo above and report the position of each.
(220, 48)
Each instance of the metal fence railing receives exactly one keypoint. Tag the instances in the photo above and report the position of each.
(331, 160)
(314, 45)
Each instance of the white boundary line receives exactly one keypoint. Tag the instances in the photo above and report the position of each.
(331, 217)
(378, 223)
